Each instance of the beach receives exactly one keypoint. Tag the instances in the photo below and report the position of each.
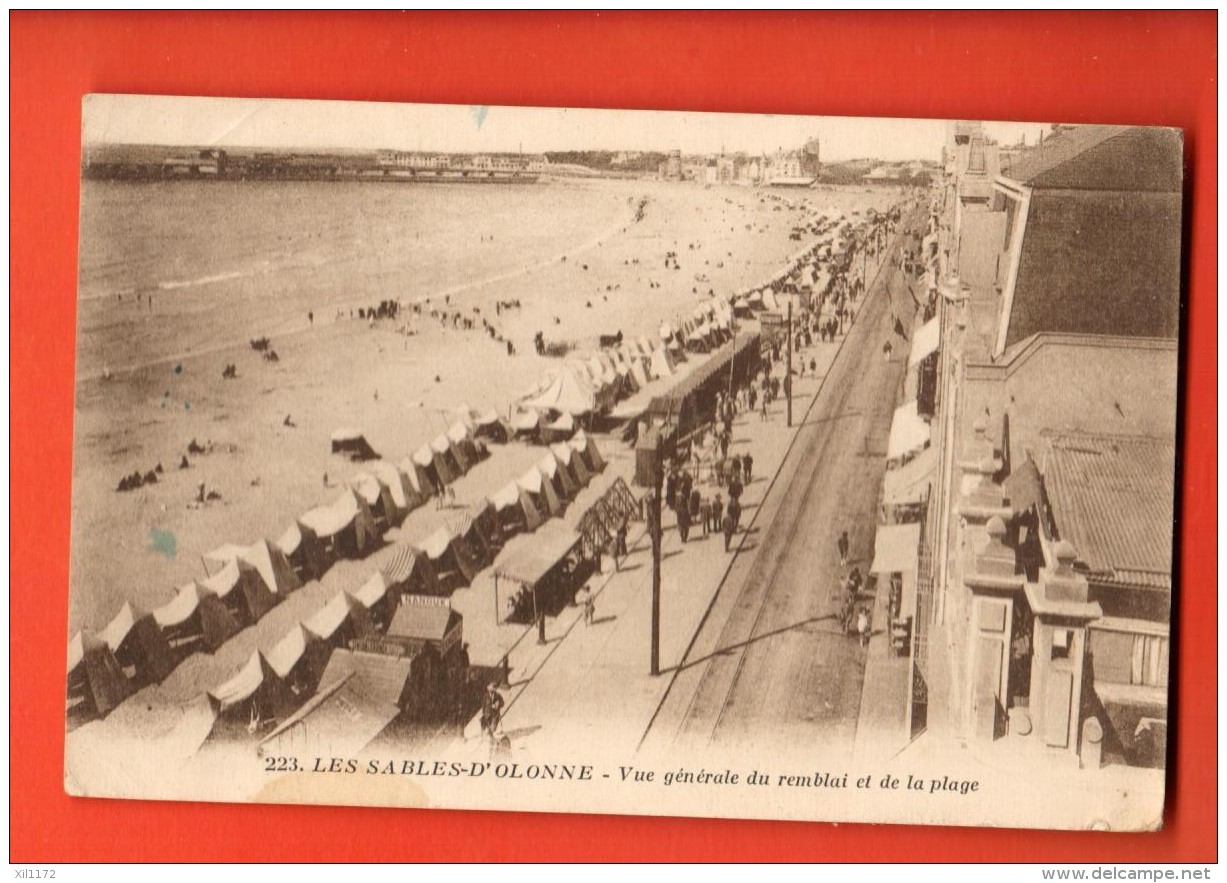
(150, 376)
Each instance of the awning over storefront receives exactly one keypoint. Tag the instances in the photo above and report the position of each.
(896, 549)
(908, 432)
(925, 342)
(952, 290)
(907, 484)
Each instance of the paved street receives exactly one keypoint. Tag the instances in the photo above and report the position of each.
(769, 667)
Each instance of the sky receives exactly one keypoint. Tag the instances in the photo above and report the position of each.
(241, 122)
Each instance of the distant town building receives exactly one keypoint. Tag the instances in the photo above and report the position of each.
(671, 168)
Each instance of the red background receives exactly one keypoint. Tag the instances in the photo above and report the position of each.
(1092, 67)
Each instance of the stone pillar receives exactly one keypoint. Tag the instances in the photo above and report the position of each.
(995, 589)
(1062, 613)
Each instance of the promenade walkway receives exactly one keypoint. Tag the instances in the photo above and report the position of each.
(588, 688)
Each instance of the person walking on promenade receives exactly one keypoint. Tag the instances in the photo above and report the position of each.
(842, 544)
(862, 626)
(735, 489)
(717, 514)
(585, 601)
(491, 711)
(620, 540)
(683, 517)
(730, 521)
(671, 488)
(696, 507)
(748, 466)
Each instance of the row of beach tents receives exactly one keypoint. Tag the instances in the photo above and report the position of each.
(708, 326)
(140, 647)
(582, 388)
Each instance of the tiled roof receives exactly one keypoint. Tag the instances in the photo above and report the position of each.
(423, 622)
(374, 677)
(1099, 262)
(1112, 497)
(1131, 158)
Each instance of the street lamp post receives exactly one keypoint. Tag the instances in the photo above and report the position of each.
(788, 367)
(654, 528)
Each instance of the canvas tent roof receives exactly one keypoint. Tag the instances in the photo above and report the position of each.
(908, 431)
(531, 480)
(507, 496)
(586, 446)
(244, 684)
(401, 566)
(76, 651)
(415, 473)
(327, 521)
(459, 432)
(567, 394)
(527, 559)
(288, 651)
(424, 456)
(117, 629)
(661, 364)
(925, 342)
(329, 618)
(225, 580)
(347, 434)
(180, 608)
(395, 481)
(437, 544)
(442, 444)
(371, 592)
(289, 541)
(548, 465)
(896, 549)
(525, 420)
(268, 560)
(369, 487)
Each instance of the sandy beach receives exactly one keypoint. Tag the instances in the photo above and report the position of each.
(398, 381)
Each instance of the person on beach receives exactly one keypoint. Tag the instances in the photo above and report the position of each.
(862, 626)
(842, 545)
(748, 466)
(763, 412)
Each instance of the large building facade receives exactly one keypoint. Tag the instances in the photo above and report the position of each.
(1040, 618)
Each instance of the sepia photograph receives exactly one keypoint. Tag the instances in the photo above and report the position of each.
(623, 461)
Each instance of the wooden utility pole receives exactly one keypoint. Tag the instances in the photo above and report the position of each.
(654, 528)
(788, 367)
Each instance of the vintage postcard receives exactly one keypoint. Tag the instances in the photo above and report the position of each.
(624, 462)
